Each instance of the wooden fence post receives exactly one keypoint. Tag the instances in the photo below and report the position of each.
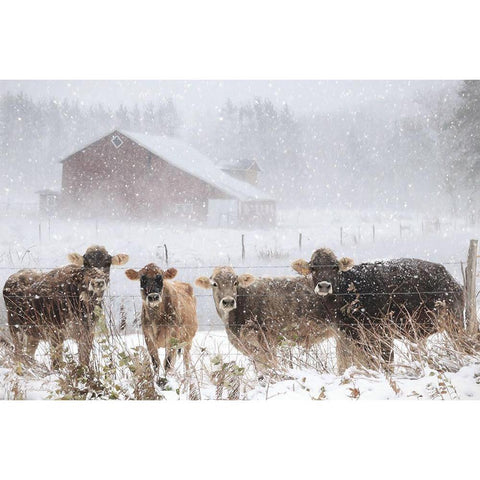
(243, 247)
(40, 233)
(373, 233)
(300, 241)
(166, 254)
(470, 287)
(341, 235)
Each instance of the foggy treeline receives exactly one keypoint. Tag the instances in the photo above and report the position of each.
(423, 156)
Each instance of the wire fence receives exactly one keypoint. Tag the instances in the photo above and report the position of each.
(59, 297)
(199, 267)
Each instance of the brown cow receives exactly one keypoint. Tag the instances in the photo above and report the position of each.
(261, 314)
(53, 306)
(169, 317)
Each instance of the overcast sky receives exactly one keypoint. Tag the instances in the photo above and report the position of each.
(194, 95)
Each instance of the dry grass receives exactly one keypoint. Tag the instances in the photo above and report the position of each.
(267, 254)
(119, 371)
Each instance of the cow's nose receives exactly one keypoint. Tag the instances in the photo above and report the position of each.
(323, 288)
(153, 297)
(228, 302)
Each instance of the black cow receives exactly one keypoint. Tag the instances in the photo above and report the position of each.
(403, 298)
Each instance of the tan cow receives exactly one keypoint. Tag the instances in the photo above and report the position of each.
(169, 318)
(261, 314)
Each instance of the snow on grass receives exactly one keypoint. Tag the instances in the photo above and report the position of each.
(289, 384)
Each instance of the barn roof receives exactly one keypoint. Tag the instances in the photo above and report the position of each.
(186, 158)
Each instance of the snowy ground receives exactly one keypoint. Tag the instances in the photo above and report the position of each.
(297, 383)
(195, 250)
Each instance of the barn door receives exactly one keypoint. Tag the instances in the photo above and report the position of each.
(222, 213)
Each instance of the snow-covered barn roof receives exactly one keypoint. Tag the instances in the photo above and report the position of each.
(191, 161)
(186, 158)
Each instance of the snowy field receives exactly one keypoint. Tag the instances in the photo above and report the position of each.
(194, 251)
(295, 382)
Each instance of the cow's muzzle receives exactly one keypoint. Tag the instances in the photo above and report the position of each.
(97, 286)
(323, 288)
(228, 303)
(153, 299)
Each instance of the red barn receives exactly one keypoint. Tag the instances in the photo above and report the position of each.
(132, 175)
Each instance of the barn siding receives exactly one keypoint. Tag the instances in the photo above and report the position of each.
(131, 182)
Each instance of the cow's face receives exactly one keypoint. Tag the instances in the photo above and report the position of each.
(326, 270)
(151, 282)
(94, 284)
(224, 283)
(98, 257)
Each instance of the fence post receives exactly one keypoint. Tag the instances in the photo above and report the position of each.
(299, 241)
(470, 284)
(341, 235)
(243, 247)
(40, 233)
(373, 233)
(166, 254)
(96, 228)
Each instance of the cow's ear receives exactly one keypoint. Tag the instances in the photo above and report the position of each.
(345, 264)
(245, 279)
(75, 259)
(302, 267)
(170, 273)
(132, 274)
(120, 259)
(203, 282)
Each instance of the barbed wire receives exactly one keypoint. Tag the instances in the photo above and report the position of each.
(198, 267)
(60, 297)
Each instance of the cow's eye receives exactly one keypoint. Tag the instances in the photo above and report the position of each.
(214, 284)
(235, 284)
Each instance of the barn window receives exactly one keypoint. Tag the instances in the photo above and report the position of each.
(117, 141)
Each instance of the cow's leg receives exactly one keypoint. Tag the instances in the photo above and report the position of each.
(345, 353)
(170, 357)
(85, 345)
(152, 349)
(186, 357)
(56, 351)
(193, 393)
(386, 347)
(18, 340)
(32, 344)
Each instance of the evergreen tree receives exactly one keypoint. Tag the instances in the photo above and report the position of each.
(463, 149)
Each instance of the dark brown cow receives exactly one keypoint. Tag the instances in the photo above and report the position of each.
(63, 303)
(261, 314)
(403, 298)
(169, 318)
(52, 307)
